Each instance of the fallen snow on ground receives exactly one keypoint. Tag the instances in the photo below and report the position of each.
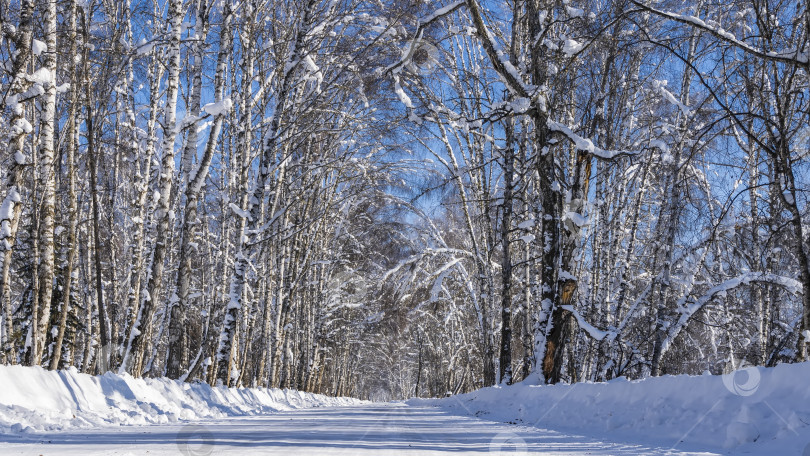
(35, 399)
(362, 430)
(755, 411)
(751, 411)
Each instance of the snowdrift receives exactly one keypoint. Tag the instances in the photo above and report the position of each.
(35, 399)
(750, 411)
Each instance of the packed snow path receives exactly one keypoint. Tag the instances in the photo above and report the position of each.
(371, 429)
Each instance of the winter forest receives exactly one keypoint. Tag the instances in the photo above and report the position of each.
(395, 198)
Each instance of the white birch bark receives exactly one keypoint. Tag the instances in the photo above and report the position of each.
(11, 207)
(196, 180)
(73, 212)
(225, 352)
(47, 185)
(141, 329)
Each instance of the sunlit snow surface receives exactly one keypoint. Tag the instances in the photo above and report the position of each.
(386, 429)
(753, 411)
(748, 411)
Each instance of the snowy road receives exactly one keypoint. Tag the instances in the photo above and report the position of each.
(377, 429)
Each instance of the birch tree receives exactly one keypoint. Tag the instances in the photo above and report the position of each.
(12, 202)
(142, 326)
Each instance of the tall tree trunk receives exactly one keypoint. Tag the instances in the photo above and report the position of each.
(225, 353)
(505, 356)
(73, 213)
(102, 360)
(47, 184)
(671, 213)
(143, 203)
(11, 207)
(547, 342)
(193, 190)
(141, 330)
(788, 193)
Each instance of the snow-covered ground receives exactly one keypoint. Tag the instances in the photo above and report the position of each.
(361, 430)
(34, 399)
(750, 411)
(754, 411)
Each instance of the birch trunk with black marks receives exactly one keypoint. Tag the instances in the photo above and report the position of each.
(193, 190)
(47, 185)
(226, 356)
(71, 247)
(11, 207)
(141, 329)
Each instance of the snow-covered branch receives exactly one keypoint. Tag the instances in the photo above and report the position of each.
(688, 311)
(584, 144)
(794, 56)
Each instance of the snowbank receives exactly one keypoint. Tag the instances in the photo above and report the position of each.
(34, 399)
(751, 411)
